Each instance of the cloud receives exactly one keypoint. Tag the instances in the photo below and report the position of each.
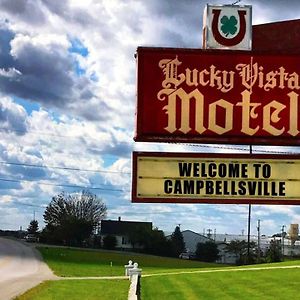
(12, 116)
(67, 81)
(28, 10)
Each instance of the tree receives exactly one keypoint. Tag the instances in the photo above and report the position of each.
(109, 242)
(207, 251)
(157, 243)
(240, 249)
(178, 245)
(274, 252)
(71, 218)
(153, 241)
(139, 236)
(33, 227)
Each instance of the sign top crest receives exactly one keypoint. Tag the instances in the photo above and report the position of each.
(227, 27)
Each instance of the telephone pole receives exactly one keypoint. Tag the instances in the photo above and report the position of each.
(282, 240)
(209, 231)
(258, 240)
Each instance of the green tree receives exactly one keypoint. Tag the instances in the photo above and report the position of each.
(139, 236)
(177, 241)
(273, 253)
(240, 249)
(109, 242)
(33, 227)
(71, 218)
(157, 243)
(207, 251)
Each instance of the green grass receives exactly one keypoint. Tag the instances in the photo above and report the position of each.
(78, 290)
(262, 284)
(254, 285)
(73, 262)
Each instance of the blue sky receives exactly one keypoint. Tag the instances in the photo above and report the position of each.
(67, 107)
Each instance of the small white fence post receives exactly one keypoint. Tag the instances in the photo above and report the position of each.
(134, 276)
(128, 267)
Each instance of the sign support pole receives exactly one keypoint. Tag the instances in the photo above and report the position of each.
(249, 222)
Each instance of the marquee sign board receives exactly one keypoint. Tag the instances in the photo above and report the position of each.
(227, 27)
(215, 178)
(215, 96)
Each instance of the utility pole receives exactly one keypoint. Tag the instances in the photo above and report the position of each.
(282, 240)
(249, 220)
(209, 231)
(258, 240)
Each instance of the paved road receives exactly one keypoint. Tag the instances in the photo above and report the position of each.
(21, 268)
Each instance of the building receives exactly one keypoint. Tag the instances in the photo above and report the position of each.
(191, 239)
(121, 231)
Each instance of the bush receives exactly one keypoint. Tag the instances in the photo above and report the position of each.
(207, 251)
(109, 242)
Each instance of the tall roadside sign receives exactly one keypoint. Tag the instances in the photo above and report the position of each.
(248, 95)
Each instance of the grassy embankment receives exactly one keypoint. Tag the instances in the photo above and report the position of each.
(226, 285)
(71, 262)
(84, 263)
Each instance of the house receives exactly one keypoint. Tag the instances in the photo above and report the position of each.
(121, 231)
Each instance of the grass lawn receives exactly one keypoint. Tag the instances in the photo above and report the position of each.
(73, 262)
(79, 290)
(262, 284)
(254, 285)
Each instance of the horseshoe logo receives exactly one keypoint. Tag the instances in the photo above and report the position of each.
(232, 41)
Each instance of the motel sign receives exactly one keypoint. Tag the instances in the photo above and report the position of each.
(197, 96)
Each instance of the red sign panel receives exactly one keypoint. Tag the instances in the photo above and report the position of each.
(202, 96)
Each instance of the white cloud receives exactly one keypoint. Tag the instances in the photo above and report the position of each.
(78, 110)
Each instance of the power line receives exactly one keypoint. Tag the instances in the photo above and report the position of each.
(242, 149)
(192, 145)
(62, 168)
(27, 204)
(62, 185)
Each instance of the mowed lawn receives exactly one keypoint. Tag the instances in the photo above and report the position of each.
(68, 262)
(79, 290)
(255, 285)
(229, 284)
(73, 262)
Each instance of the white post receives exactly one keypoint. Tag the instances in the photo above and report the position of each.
(128, 267)
(134, 271)
(134, 277)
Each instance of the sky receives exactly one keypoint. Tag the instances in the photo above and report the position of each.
(67, 108)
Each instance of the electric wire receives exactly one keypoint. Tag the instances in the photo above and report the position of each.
(62, 168)
(61, 185)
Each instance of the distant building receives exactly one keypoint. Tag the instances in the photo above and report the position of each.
(191, 239)
(121, 230)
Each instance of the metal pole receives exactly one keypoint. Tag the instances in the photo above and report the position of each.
(258, 240)
(249, 221)
(249, 224)
(282, 237)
